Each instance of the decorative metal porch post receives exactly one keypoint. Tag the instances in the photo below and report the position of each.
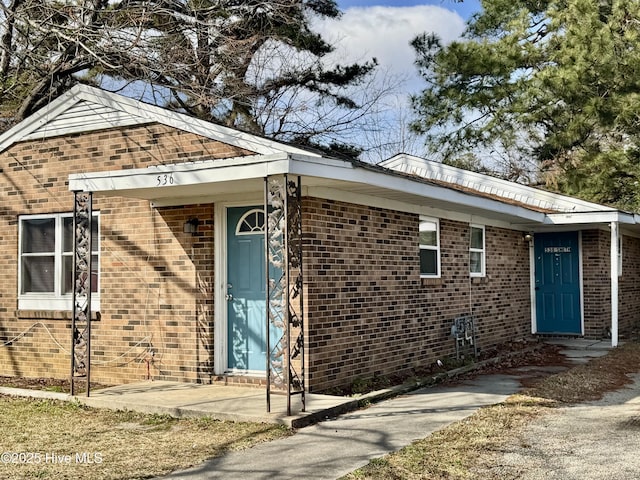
(81, 314)
(284, 279)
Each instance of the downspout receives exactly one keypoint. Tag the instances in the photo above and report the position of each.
(614, 283)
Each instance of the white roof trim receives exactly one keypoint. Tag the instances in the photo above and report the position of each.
(407, 185)
(102, 109)
(487, 184)
(182, 174)
(143, 181)
(155, 183)
(126, 111)
(251, 166)
(590, 217)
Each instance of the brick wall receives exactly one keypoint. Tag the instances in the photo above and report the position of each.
(155, 280)
(596, 274)
(502, 300)
(596, 245)
(368, 311)
(629, 300)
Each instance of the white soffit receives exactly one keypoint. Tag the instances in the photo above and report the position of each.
(590, 218)
(488, 185)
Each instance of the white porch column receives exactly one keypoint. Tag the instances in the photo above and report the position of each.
(614, 283)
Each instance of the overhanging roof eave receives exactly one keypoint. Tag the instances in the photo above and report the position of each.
(141, 182)
(389, 180)
(595, 217)
(161, 181)
(481, 182)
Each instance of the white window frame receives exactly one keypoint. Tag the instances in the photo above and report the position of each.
(56, 300)
(482, 251)
(619, 253)
(435, 248)
(245, 219)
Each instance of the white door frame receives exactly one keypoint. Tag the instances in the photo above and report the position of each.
(532, 283)
(220, 304)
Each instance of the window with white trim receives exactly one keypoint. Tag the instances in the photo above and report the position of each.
(45, 276)
(619, 253)
(477, 252)
(429, 248)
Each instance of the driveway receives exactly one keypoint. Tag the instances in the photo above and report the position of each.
(590, 441)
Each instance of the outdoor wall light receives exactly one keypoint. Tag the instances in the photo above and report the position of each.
(191, 226)
(527, 237)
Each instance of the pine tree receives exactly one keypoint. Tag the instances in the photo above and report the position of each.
(556, 81)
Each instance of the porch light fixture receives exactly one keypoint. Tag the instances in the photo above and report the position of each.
(191, 226)
(527, 237)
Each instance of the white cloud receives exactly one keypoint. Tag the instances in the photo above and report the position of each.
(385, 33)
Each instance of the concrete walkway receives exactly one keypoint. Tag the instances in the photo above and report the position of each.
(336, 447)
(581, 350)
(340, 445)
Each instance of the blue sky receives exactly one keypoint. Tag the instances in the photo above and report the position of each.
(465, 8)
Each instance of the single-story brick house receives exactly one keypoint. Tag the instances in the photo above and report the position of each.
(390, 254)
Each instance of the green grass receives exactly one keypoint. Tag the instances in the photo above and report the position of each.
(55, 388)
(125, 445)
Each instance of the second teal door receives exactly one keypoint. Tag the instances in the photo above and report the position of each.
(557, 276)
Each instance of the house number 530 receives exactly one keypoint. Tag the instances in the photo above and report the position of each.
(166, 179)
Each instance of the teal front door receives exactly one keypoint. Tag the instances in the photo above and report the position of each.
(246, 296)
(557, 277)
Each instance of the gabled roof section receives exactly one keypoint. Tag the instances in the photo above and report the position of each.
(487, 185)
(85, 109)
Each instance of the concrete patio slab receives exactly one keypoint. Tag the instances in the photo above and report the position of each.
(217, 401)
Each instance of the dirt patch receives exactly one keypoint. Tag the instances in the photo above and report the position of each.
(49, 384)
(535, 361)
(592, 380)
